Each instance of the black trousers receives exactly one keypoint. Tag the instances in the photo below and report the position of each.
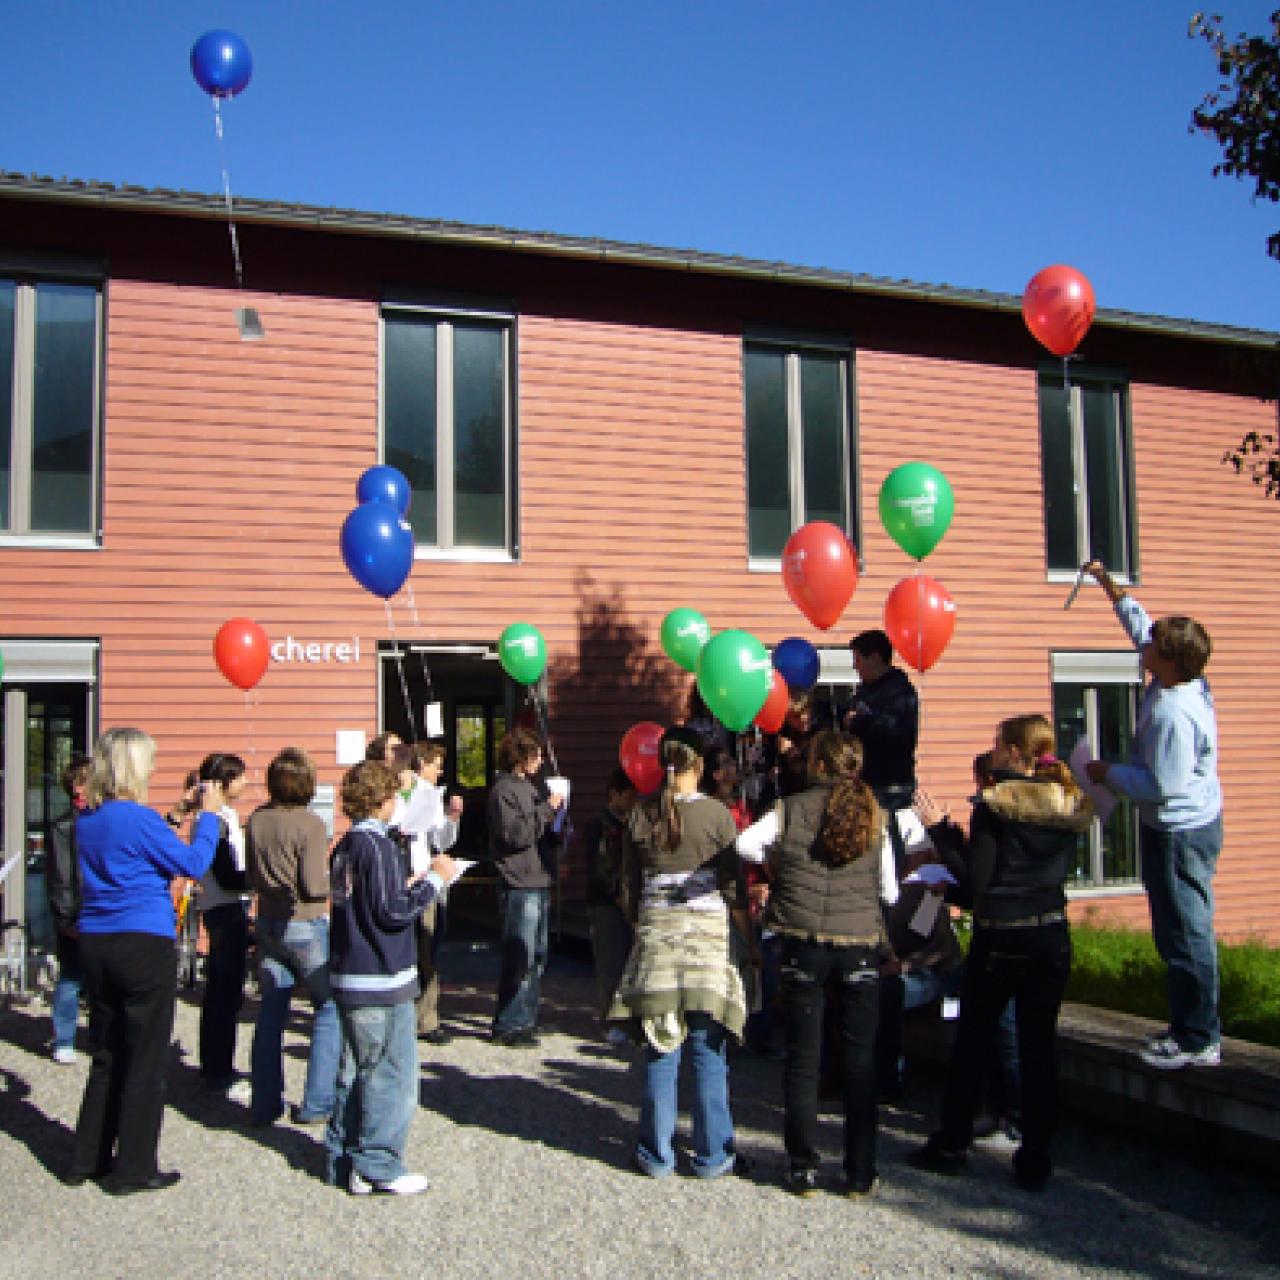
(225, 971)
(806, 967)
(1030, 966)
(132, 980)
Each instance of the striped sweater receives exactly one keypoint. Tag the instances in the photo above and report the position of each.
(373, 957)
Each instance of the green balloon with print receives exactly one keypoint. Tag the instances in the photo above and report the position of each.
(733, 678)
(522, 652)
(684, 634)
(916, 506)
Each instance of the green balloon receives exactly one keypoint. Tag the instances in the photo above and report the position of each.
(522, 652)
(733, 678)
(916, 506)
(684, 632)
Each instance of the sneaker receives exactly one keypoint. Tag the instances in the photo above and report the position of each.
(407, 1184)
(298, 1116)
(801, 1181)
(1168, 1055)
(65, 1055)
(437, 1037)
(526, 1039)
(935, 1158)
(1161, 1038)
(854, 1191)
(241, 1092)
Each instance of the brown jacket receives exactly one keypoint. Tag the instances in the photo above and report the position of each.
(287, 862)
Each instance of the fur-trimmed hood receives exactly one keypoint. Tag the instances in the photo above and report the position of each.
(1040, 802)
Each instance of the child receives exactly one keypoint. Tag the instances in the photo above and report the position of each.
(374, 977)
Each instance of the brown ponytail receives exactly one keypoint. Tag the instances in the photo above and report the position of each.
(664, 811)
(852, 821)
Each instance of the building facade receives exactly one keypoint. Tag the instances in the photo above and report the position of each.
(596, 433)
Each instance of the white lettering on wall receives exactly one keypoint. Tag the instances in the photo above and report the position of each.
(291, 650)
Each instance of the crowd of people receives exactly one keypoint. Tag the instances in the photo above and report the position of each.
(787, 895)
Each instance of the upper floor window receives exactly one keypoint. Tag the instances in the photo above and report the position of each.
(800, 454)
(1088, 490)
(446, 424)
(49, 407)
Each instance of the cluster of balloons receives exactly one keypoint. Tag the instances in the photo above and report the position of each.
(732, 668)
(221, 63)
(242, 651)
(1058, 306)
(376, 539)
(522, 652)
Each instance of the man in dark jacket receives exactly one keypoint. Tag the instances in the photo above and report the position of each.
(885, 718)
(62, 882)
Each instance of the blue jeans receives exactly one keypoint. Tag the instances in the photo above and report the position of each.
(377, 1093)
(292, 952)
(66, 995)
(526, 921)
(1177, 873)
(713, 1151)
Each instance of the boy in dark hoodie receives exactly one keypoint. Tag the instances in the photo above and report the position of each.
(374, 977)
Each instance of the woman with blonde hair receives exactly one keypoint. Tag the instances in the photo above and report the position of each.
(1012, 872)
(128, 857)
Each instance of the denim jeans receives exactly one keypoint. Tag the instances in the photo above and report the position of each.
(225, 967)
(1030, 966)
(526, 921)
(900, 993)
(377, 1093)
(293, 952)
(806, 966)
(713, 1151)
(1177, 872)
(66, 995)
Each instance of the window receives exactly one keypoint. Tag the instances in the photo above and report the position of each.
(1094, 697)
(49, 408)
(1088, 491)
(800, 455)
(446, 424)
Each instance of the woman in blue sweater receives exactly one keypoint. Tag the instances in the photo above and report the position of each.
(128, 856)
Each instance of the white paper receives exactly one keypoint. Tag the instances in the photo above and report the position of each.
(950, 1008)
(926, 914)
(930, 873)
(435, 719)
(1103, 798)
(559, 786)
(461, 867)
(350, 746)
(753, 842)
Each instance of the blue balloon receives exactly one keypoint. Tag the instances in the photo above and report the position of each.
(796, 661)
(377, 548)
(221, 63)
(385, 484)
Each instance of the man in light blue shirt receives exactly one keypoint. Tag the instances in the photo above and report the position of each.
(1172, 777)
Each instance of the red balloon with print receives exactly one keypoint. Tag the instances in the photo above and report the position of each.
(919, 619)
(774, 711)
(638, 755)
(820, 572)
(1058, 306)
(242, 651)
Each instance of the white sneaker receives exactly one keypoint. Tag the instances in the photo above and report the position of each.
(1168, 1055)
(65, 1055)
(407, 1184)
(241, 1092)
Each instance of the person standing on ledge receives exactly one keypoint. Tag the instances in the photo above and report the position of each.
(885, 717)
(1172, 776)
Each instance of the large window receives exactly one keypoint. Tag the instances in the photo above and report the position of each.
(1094, 697)
(1088, 493)
(800, 455)
(49, 408)
(446, 423)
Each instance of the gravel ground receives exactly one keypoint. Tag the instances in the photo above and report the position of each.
(528, 1153)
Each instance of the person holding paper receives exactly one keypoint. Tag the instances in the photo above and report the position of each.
(1172, 776)
(1012, 872)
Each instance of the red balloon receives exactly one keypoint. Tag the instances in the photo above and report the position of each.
(920, 617)
(242, 651)
(638, 755)
(776, 702)
(1058, 306)
(820, 572)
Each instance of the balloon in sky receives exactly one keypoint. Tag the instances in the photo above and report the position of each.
(377, 548)
(916, 506)
(733, 678)
(819, 571)
(221, 63)
(522, 652)
(684, 632)
(241, 651)
(919, 619)
(385, 484)
(1058, 306)
(797, 662)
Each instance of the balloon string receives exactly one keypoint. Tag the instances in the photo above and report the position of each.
(249, 738)
(226, 191)
(540, 715)
(399, 659)
(417, 623)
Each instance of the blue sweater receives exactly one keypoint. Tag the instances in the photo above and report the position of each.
(373, 954)
(128, 856)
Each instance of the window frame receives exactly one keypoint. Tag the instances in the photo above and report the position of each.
(1087, 670)
(793, 344)
(1078, 377)
(448, 311)
(28, 271)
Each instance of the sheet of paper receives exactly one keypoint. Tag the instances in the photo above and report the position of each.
(930, 873)
(1104, 800)
(421, 812)
(926, 914)
(461, 867)
(753, 842)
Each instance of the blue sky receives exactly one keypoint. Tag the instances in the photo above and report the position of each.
(962, 144)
